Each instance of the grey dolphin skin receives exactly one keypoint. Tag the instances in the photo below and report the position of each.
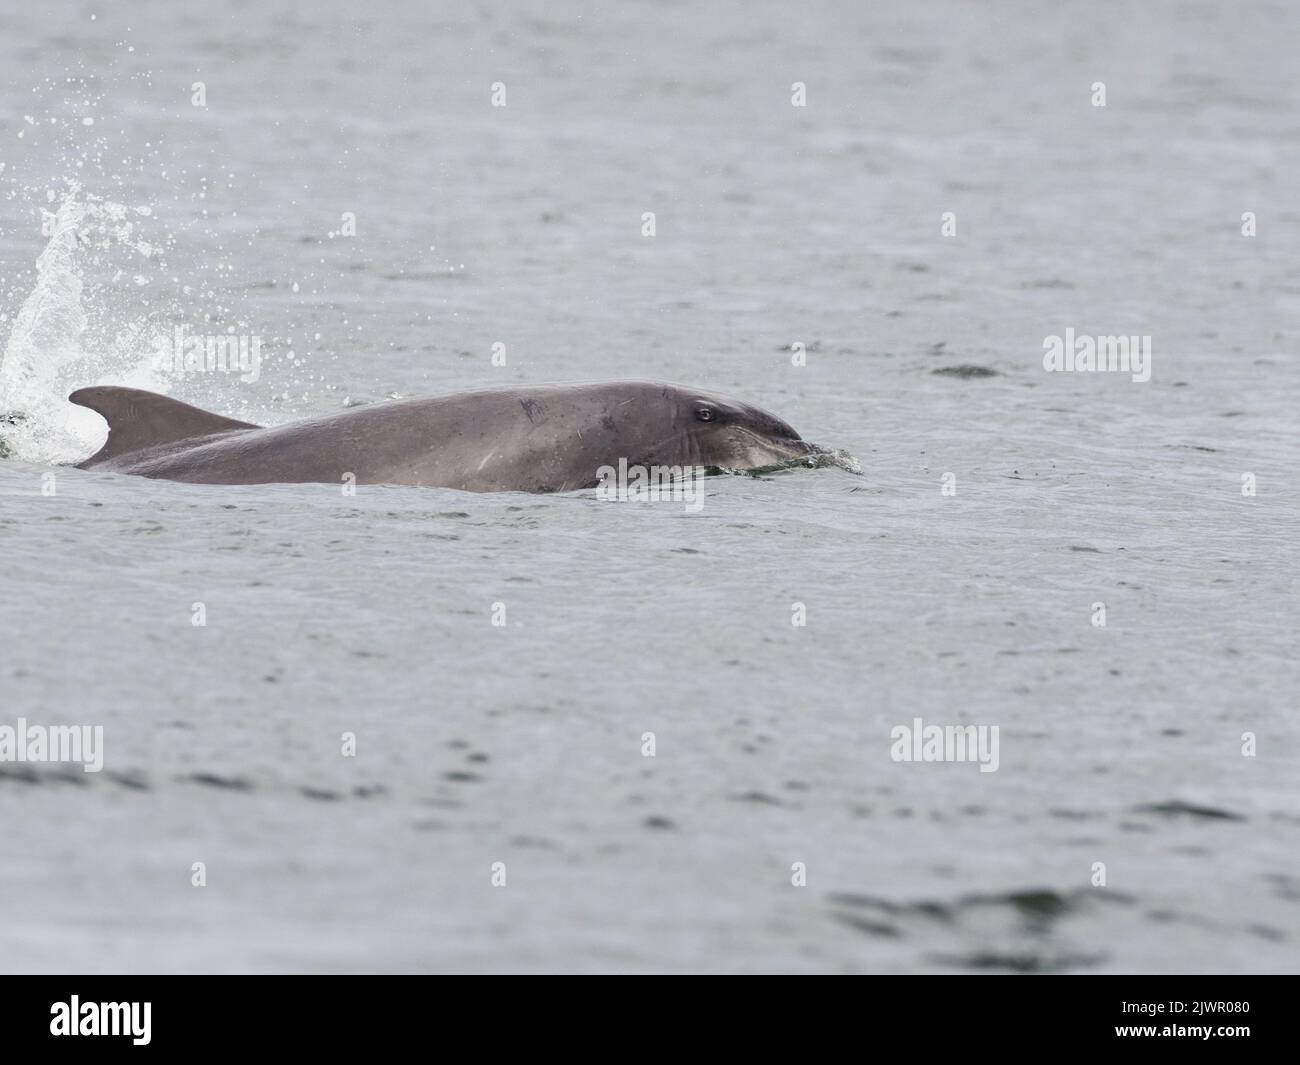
(534, 439)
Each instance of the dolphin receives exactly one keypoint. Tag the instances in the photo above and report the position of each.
(535, 439)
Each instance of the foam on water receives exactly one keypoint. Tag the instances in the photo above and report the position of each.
(821, 459)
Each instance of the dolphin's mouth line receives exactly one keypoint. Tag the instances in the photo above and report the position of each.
(783, 441)
(792, 444)
(786, 451)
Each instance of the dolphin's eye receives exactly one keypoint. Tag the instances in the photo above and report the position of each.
(705, 414)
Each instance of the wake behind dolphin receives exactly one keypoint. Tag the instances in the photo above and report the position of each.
(537, 439)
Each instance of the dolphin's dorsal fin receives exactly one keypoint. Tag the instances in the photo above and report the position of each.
(138, 419)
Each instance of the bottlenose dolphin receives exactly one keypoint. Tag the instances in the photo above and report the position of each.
(535, 439)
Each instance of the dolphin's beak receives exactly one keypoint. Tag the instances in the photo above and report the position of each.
(769, 431)
(783, 437)
(792, 447)
(775, 448)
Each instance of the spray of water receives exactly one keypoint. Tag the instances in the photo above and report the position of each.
(45, 357)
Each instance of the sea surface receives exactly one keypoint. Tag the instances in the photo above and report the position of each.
(590, 736)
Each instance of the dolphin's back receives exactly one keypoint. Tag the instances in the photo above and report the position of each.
(537, 439)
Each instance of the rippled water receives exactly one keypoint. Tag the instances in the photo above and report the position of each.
(522, 743)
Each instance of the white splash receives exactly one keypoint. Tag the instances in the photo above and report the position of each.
(45, 358)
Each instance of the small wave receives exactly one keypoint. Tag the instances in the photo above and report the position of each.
(1021, 930)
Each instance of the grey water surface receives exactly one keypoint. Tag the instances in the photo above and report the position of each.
(777, 229)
